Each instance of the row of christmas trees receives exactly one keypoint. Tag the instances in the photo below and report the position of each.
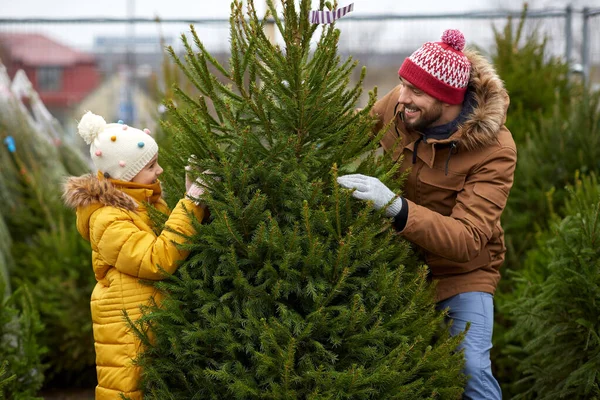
(546, 342)
(45, 277)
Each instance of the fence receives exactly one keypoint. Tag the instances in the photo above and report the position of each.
(590, 51)
(378, 41)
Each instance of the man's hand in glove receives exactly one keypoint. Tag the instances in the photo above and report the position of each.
(372, 189)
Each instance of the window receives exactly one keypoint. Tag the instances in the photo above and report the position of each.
(49, 79)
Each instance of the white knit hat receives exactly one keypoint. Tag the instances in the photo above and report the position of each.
(117, 149)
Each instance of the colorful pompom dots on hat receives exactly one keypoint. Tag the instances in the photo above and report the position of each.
(117, 149)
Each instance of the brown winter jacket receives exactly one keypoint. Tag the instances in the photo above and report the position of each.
(456, 188)
(113, 216)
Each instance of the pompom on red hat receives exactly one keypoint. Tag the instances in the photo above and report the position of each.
(440, 69)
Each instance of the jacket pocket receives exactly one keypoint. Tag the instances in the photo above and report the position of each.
(494, 195)
(437, 191)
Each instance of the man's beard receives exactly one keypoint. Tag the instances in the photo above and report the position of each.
(426, 118)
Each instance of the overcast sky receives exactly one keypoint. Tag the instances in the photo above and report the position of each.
(82, 36)
(220, 8)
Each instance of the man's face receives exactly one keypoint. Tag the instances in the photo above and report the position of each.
(420, 109)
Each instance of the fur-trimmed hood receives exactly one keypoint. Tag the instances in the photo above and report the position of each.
(491, 104)
(480, 124)
(87, 190)
(90, 192)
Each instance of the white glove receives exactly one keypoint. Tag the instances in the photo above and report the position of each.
(194, 189)
(372, 189)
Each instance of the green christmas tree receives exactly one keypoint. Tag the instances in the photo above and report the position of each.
(554, 314)
(293, 290)
(21, 371)
(40, 248)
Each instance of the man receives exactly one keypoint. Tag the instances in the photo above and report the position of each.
(449, 112)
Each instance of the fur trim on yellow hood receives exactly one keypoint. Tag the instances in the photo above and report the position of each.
(83, 191)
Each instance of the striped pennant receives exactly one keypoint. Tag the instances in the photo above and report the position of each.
(327, 17)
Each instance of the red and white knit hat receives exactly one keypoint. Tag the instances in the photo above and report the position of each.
(440, 69)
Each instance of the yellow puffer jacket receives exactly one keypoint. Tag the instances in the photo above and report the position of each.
(112, 215)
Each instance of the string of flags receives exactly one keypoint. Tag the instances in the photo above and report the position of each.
(328, 17)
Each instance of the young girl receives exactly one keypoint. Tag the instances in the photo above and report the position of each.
(112, 216)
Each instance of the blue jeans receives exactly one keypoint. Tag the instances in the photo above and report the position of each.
(478, 309)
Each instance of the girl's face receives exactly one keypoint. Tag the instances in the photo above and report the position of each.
(150, 173)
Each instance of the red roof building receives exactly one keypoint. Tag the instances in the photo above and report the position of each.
(62, 76)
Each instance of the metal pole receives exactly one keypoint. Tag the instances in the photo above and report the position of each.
(585, 45)
(126, 107)
(568, 33)
(270, 26)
